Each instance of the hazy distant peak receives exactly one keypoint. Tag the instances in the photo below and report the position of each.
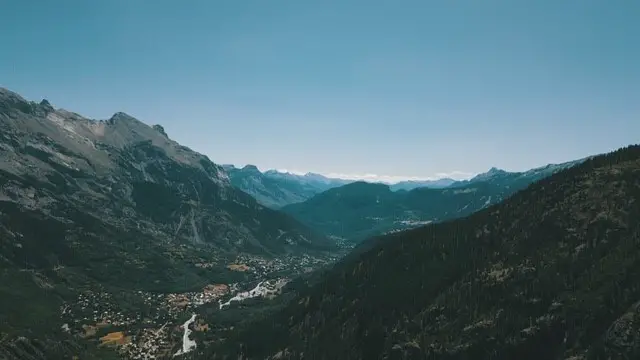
(414, 184)
(492, 172)
(315, 176)
(250, 167)
(361, 184)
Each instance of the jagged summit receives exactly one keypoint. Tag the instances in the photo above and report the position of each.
(121, 117)
(128, 158)
(159, 128)
(46, 106)
(490, 173)
(114, 207)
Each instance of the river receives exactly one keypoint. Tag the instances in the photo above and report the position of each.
(187, 344)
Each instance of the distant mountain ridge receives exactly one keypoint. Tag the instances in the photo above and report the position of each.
(276, 189)
(496, 175)
(550, 273)
(359, 210)
(414, 184)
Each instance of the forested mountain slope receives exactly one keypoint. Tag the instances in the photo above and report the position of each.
(360, 210)
(551, 273)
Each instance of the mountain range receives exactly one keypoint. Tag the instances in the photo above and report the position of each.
(276, 189)
(414, 184)
(360, 210)
(547, 274)
(116, 203)
(118, 242)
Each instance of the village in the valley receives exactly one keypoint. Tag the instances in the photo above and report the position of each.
(160, 330)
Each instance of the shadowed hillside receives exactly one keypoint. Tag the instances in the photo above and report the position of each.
(548, 274)
(360, 210)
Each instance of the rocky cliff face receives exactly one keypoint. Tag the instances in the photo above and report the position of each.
(112, 206)
(132, 175)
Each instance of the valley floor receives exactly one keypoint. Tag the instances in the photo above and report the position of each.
(147, 325)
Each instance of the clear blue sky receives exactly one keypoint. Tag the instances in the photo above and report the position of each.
(402, 88)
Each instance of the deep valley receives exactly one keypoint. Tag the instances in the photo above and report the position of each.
(117, 242)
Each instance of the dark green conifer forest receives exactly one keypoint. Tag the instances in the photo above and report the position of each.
(551, 273)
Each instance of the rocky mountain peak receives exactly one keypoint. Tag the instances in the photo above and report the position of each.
(120, 117)
(494, 171)
(160, 129)
(45, 103)
(46, 107)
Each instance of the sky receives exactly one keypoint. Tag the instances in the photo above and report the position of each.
(402, 88)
